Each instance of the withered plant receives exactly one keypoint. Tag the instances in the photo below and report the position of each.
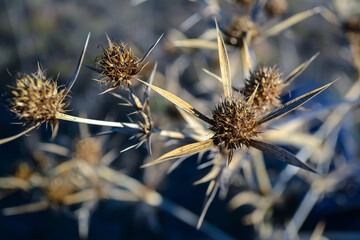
(232, 136)
(235, 122)
(118, 64)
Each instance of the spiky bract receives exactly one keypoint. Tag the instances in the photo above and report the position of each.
(234, 123)
(269, 86)
(36, 99)
(118, 65)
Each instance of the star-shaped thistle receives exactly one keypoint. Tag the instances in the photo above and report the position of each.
(235, 123)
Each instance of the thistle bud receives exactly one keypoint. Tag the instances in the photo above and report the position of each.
(269, 88)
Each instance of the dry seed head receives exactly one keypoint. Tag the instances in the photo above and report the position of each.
(352, 24)
(270, 86)
(238, 26)
(89, 151)
(118, 65)
(58, 189)
(23, 171)
(275, 8)
(63, 185)
(244, 3)
(234, 123)
(37, 99)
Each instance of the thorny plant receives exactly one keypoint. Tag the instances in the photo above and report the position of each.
(235, 123)
(235, 127)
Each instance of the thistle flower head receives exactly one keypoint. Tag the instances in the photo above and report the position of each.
(274, 8)
(269, 87)
(37, 99)
(118, 65)
(244, 3)
(23, 171)
(352, 24)
(89, 151)
(234, 123)
(63, 185)
(239, 26)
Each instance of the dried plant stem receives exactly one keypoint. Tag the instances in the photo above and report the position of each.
(28, 208)
(261, 173)
(66, 117)
(9, 139)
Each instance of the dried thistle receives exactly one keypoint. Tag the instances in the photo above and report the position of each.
(23, 171)
(241, 26)
(243, 29)
(274, 8)
(59, 188)
(352, 24)
(244, 3)
(37, 99)
(234, 124)
(226, 128)
(89, 150)
(118, 64)
(269, 86)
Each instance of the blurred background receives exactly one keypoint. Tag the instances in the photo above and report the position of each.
(323, 207)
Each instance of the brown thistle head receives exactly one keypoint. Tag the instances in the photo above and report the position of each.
(274, 8)
(23, 171)
(241, 25)
(89, 150)
(62, 185)
(352, 24)
(244, 3)
(118, 65)
(37, 99)
(235, 123)
(269, 86)
(58, 189)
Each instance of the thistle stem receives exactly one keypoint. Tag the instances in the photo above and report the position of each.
(70, 118)
(5, 140)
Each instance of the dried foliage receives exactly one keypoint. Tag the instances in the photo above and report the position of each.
(234, 119)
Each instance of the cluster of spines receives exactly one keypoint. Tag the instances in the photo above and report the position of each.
(36, 99)
(234, 123)
(118, 65)
(266, 83)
